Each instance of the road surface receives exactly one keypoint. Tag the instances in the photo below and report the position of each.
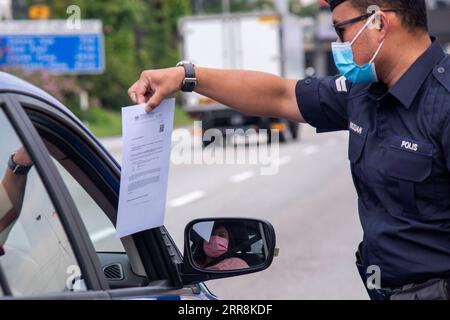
(311, 203)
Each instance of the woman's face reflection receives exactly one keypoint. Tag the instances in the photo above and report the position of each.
(222, 232)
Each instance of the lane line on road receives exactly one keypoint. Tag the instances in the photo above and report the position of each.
(102, 234)
(187, 198)
(240, 177)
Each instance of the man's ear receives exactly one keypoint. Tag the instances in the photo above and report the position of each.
(383, 25)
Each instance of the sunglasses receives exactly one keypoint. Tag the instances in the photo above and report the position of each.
(339, 27)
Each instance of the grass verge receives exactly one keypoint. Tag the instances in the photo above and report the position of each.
(106, 123)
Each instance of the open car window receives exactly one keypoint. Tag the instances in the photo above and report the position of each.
(79, 157)
(94, 199)
(36, 256)
(100, 228)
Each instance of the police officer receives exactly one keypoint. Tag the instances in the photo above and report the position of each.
(393, 96)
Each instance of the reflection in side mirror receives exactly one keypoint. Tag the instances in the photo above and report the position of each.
(229, 244)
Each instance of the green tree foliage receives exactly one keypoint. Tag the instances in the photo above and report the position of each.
(303, 10)
(215, 6)
(138, 34)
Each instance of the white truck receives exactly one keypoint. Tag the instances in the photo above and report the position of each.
(267, 42)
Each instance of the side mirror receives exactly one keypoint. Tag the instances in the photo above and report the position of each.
(224, 247)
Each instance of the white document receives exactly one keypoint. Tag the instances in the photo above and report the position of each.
(145, 167)
(204, 229)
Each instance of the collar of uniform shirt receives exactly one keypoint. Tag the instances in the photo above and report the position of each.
(406, 89)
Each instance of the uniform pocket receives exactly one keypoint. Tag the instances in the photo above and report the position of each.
(408, 163)
(409, 160)
(357, 141)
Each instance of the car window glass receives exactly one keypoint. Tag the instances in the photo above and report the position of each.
(35, 254)
(99, 227)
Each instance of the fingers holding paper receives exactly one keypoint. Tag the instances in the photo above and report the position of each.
(154, 86)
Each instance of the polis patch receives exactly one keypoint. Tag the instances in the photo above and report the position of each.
(414, 146)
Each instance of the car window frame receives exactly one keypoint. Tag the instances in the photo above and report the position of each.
(63, 203)
(4, 287)
(155, 243)
(41, 109)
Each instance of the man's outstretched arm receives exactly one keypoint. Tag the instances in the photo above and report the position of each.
(250, 92)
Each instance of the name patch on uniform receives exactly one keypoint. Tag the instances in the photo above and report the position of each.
(356, 128)
(409, 145)
(412, 146)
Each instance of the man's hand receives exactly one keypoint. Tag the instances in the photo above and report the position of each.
(154, 86)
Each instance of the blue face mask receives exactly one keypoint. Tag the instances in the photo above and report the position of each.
(345, 62)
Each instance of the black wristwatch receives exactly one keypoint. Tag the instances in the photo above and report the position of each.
(18, 168)
(189, 81)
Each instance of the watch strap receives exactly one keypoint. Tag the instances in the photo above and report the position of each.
(190, 80)
(17, 168)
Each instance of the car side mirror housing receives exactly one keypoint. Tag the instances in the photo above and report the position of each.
(217, 248)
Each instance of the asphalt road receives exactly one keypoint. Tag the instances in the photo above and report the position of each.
(310, 202)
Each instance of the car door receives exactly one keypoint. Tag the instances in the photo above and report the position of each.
(142, 265)
(44, 248)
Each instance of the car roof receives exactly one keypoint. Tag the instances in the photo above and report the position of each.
(11, 83)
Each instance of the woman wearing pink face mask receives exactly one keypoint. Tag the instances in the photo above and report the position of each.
(218, 245)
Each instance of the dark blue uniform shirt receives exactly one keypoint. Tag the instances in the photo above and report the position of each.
(399, 150)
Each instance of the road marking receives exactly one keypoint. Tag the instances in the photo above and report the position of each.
(310, 150)
(242, 176)
(284, 160)
(187, 198)
(279, 162)
(102, 234)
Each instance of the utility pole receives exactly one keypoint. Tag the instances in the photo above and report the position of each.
(226, 7)
(199, 7)
(282, 6)
(5, 10)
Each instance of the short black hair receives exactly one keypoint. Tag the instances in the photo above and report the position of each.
(413, 13)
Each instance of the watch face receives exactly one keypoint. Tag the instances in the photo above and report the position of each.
(16, 168)
(183, 62)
